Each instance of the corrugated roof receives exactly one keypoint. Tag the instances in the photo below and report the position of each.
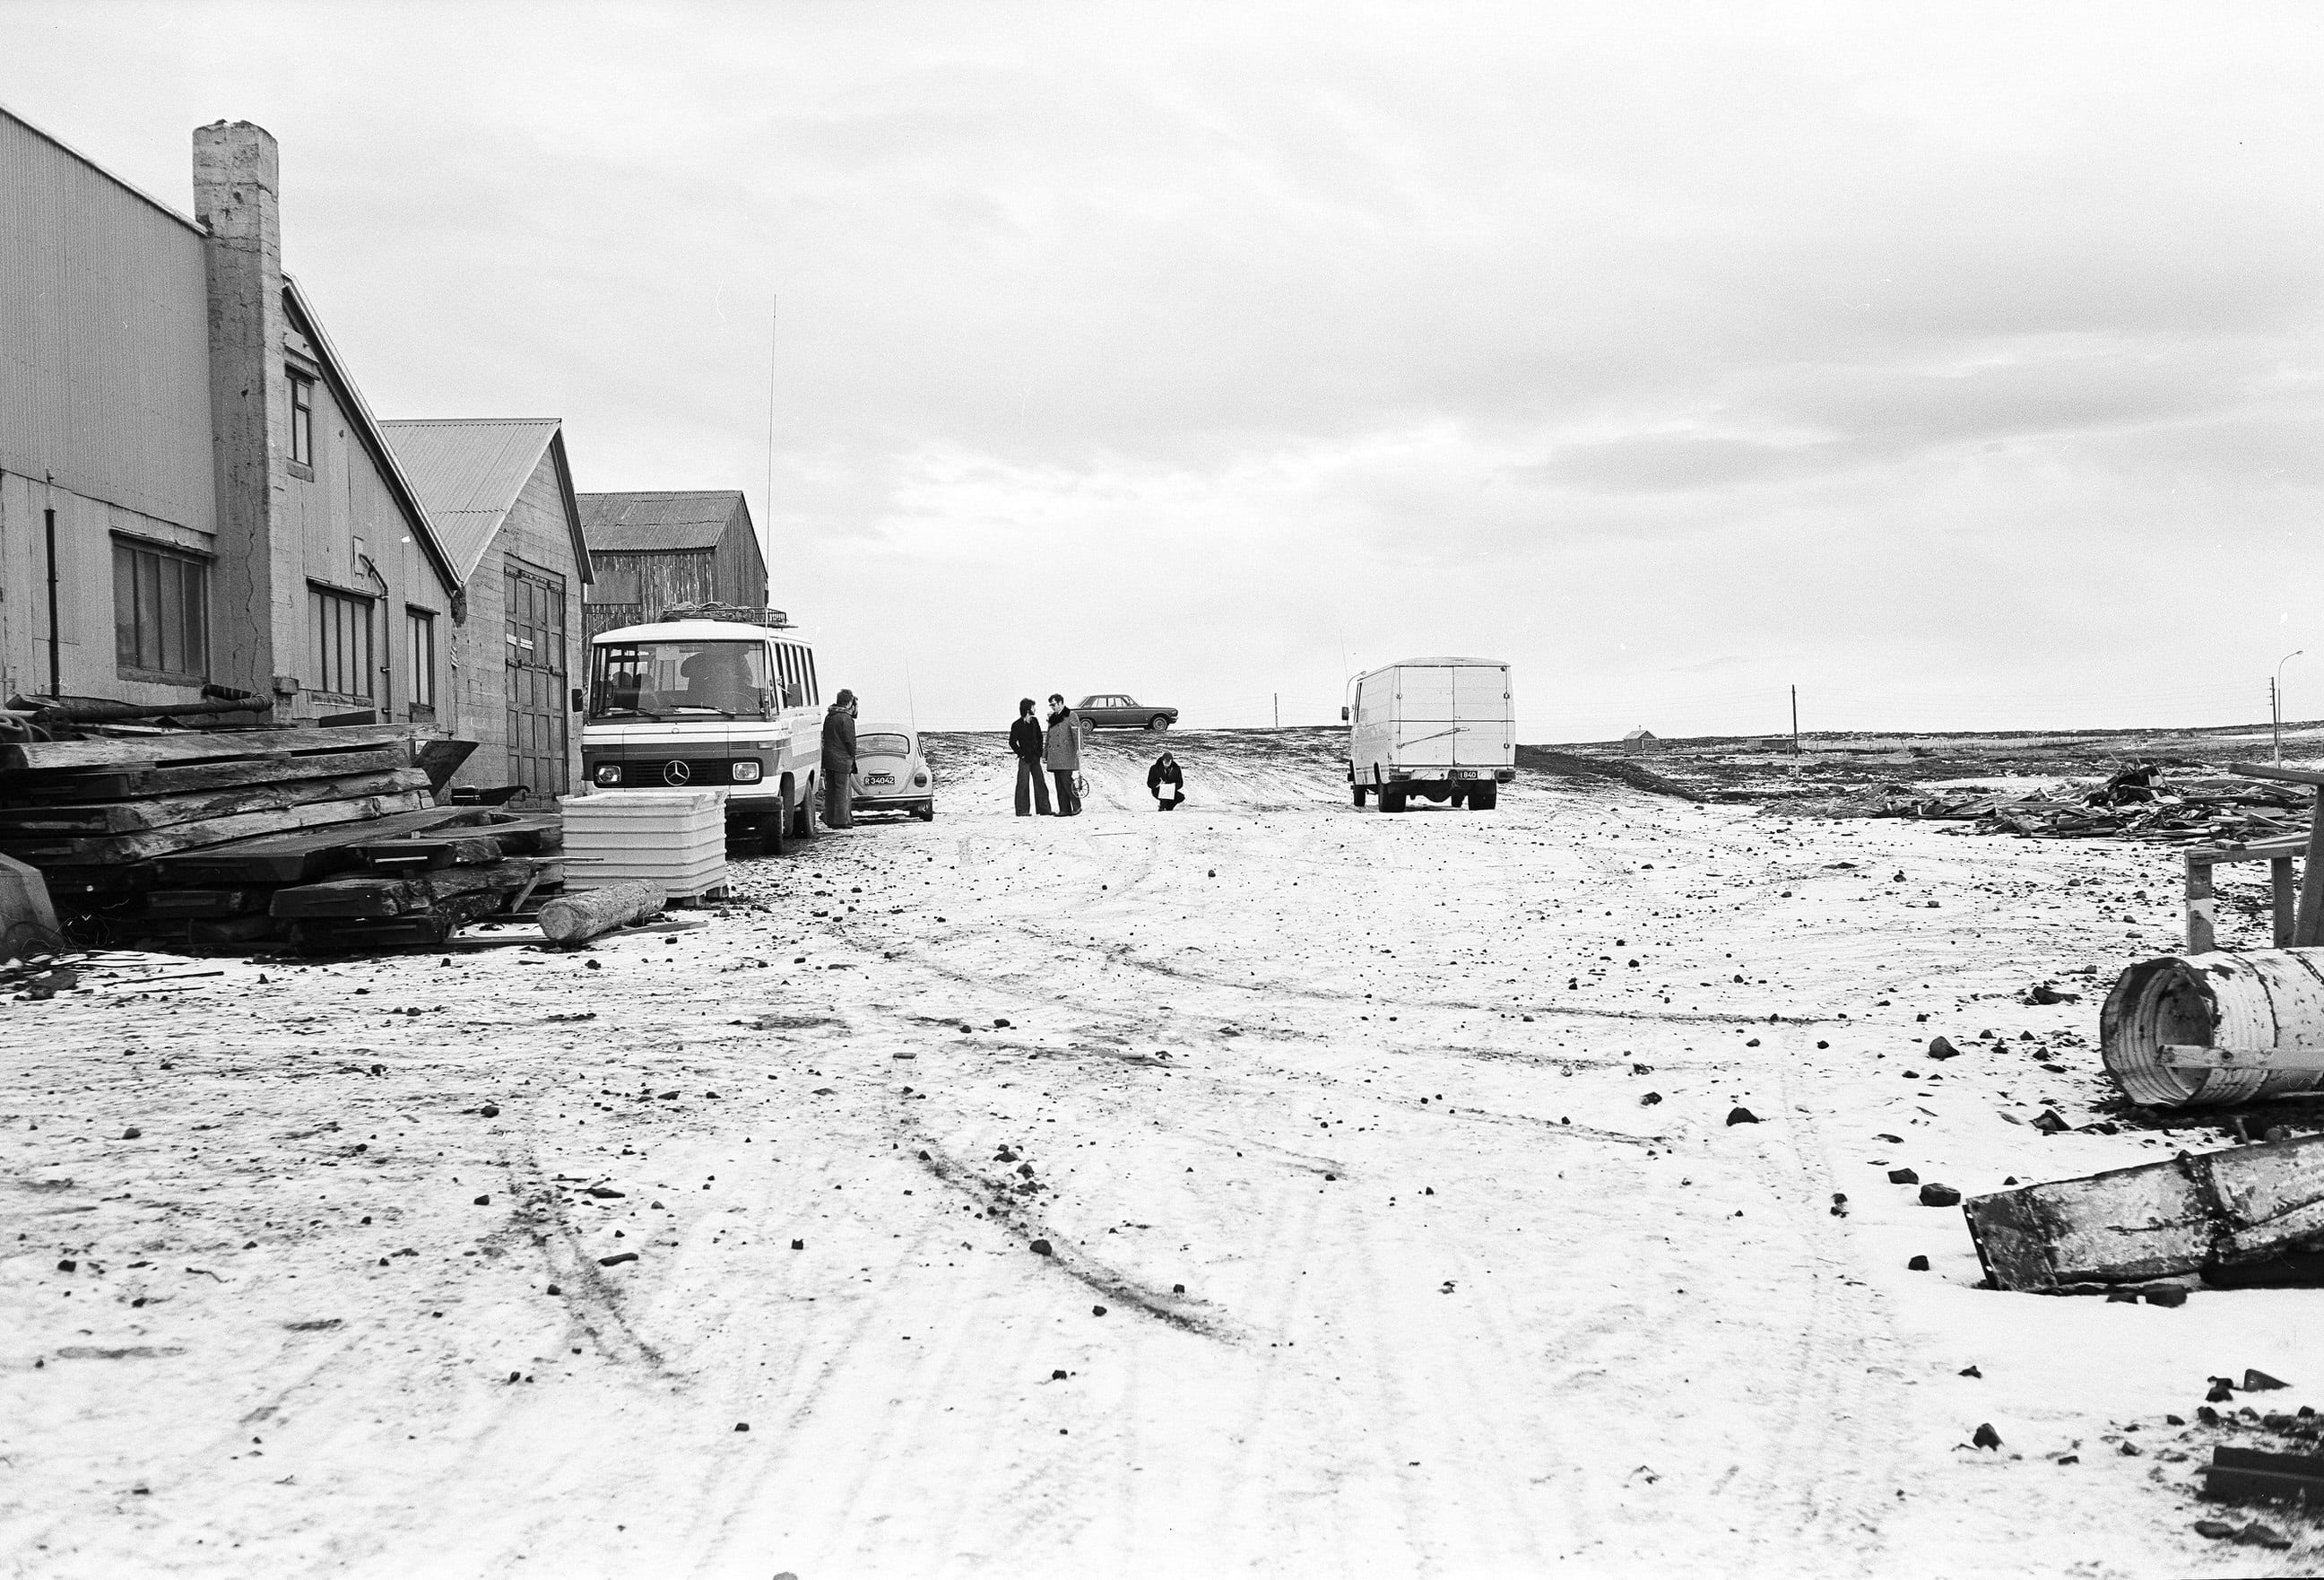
(662, 520)
(468, 472)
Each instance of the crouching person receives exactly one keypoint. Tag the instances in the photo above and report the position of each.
(1167, 783)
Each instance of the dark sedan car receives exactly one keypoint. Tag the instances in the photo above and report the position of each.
(1117, 712)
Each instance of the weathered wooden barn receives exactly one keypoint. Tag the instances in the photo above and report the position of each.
(650, 550)
(192, 490)
(500, 492)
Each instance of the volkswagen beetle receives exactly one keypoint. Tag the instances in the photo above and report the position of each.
(890, 775)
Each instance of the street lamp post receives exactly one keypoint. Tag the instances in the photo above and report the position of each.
(2276, 700)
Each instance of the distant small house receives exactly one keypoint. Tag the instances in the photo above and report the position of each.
(649, 552)
(500, 496)
(1639, 741)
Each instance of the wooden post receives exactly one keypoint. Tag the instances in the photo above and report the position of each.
(2202, 935)
(2287, 899)
(2308, 925)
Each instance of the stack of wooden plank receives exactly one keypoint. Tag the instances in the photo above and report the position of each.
(323, 838)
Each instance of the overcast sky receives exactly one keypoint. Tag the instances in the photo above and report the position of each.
(1964, 365)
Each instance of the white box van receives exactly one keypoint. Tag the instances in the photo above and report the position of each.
(710, 698)
(1441, 728)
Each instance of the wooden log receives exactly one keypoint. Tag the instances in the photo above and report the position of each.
(183, 779)
(114, 849)
(200, 745)
(204, 904)
(386, 896)
(476, 843)
(2285, 895)
(301, 856)
(2160, 1220)
(576, 919)
(167, 811)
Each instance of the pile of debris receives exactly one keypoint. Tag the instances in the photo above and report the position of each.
(2132, 804)
(325, 838)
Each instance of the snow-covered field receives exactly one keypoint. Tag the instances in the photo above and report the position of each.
(1396, 1225)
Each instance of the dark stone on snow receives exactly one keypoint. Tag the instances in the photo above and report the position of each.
(555, 1291)
(484, 1201)
(2222, 1392)
(1650, 1099)
(798, 1246)
(2166, 1298)
(490, 1111)
(1986, 1436)
(1741, 1116)
(742, 1425)
(1943, 1047)
(1097, 1311)
(618, 1257)
(2260, 1381)
(131, 1134)
(1918, 1264)
(1969, 1372)
(1903, 1177)
(1933, 1194)
(1043, 1248)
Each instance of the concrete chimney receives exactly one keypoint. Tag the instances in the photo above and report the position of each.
(259, 597)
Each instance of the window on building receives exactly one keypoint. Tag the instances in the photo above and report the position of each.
(419, 641)
(342, 625)
(160, 611)
(302, 419)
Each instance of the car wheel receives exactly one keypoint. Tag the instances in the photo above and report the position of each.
(802, 816)
(1160, 721)
(1391, 800)
(1484, 797)
(1360, 795)
(925, 811)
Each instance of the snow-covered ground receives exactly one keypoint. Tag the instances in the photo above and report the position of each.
(1396, 1225)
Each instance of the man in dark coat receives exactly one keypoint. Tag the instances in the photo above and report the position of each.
(1025, 740)
(839, 761)
(1167, 783)
(1061, 749)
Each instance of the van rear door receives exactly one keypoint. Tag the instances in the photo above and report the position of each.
(1425, 720)
(1480, 707)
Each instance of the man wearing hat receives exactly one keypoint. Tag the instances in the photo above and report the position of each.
(839, 761)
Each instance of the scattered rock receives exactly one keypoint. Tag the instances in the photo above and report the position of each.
(1933, 1194)
(1918, 1264)
(742, 1425)
(2047, 992)
(68, 1265)
(1943, 1047)
(2256, 1535)
(1650, 1099)
(1043, 1248)
(2260, 1381)
(617, 1257)
(2222, 1392)
(484, 1201)
(798, 1246)
(1903, 1177)
(1741, 1116)
(1986, 1436)
(1000, 1025)
(2048, 1122)
(131, 1134)
(1058, 1375)
(2217, 1530)
(1097, 1311)
(1969, 1372)
(1177, 1288)
(490, 1111)
(2169, 1298)
(555, 1291)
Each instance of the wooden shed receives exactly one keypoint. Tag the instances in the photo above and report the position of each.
(649, 551)
(1639, 741)
(500, 495)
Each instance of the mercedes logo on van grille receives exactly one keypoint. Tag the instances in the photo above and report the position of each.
(676, 771)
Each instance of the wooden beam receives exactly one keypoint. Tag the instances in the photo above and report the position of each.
(2201, 909)
(301, 856)
(2195, 1056)
(165, 811)
(2286, 775)
(2308, 925)
(112, 850)
(2285, 897)
(2265, 850)
(2160, 1220)
(198, 746)
(126, 783)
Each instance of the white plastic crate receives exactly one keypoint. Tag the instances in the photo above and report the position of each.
(672, 838)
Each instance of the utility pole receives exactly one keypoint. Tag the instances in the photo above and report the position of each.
(1796, 730)
(1278, 710)
(2275, 700)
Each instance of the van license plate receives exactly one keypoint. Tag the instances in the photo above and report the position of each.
(1462, 774)
(880, 779)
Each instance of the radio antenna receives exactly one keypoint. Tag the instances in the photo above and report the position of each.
(767, 500)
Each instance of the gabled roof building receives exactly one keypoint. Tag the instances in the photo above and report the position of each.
(500, 492)
(654, 550)
(193, 492)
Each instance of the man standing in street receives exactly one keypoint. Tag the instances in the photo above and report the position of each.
(839, 761)
(1025, 740)
(1062, 751)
